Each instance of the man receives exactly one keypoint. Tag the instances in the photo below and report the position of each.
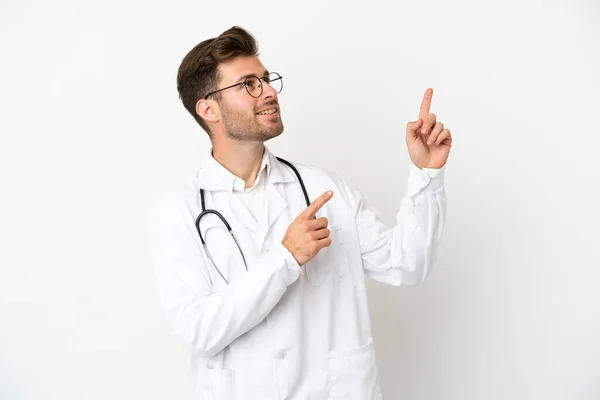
(267, 287)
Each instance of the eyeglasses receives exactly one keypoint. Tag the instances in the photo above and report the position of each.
(254, 86)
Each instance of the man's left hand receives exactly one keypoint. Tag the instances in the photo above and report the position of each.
(427, 141)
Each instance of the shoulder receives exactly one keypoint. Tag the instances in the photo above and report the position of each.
(321, 179)
(173, 200)
(316, 172)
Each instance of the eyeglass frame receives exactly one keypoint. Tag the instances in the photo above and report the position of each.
(246, 87)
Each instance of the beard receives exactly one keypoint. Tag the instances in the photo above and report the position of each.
(251, 128)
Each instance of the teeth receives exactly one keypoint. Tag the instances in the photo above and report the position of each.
(267, 112)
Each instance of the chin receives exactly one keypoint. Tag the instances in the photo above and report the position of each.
(274, 131)
(271, 135)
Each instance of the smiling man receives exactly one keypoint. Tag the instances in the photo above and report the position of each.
(261, 263)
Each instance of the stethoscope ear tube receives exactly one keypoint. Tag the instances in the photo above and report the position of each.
(289, 164)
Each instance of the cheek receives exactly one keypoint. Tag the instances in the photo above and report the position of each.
(246, 109)
(240, 107)
(243, 101)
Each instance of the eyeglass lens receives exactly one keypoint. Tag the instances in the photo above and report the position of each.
(254, 85)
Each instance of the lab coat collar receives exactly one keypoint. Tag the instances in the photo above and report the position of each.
(214, 177)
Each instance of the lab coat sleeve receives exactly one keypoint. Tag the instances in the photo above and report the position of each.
(205, 320)
(405, 253)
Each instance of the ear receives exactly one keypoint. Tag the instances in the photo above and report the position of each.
(208, 110)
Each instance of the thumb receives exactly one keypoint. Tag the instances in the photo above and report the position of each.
(413, 127)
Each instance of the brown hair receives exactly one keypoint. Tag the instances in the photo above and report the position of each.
(198, 72)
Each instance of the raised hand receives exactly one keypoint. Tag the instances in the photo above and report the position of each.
(306, 236)
(427, 141)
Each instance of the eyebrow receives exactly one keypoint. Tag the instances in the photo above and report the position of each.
(249, 75)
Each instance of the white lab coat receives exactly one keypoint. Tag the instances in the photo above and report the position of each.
(278, 330)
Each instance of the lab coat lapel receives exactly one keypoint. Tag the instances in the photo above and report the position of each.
(276, 204)
(279, 176)
(242, 213)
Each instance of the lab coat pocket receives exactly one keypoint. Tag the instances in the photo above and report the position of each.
(217, 384)
(353, 373)
(330, 265)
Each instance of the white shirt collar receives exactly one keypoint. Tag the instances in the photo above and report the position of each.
(236, 184)
(214, 176)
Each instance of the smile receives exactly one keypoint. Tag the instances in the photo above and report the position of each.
(267, 112)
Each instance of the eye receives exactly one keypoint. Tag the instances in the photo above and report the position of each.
(251, 83)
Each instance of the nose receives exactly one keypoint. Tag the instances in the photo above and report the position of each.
(268, 91)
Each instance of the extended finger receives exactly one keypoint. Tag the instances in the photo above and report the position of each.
(426, 103)
(316, 205)
(437, 129)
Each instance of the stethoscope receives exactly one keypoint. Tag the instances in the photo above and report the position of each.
(215, 212)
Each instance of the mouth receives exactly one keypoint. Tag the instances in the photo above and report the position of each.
(269, 111)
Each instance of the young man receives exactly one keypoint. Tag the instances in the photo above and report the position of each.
(261, 264)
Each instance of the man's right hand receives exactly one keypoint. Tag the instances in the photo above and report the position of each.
(306, 236)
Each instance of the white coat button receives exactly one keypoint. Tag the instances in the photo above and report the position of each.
(281, 355)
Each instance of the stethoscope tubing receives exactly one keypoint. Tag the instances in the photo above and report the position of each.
(218, 214)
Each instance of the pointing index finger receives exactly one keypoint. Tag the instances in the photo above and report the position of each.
(426, 103)
(316, 205)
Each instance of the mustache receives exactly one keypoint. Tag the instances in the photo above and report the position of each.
(270, 103)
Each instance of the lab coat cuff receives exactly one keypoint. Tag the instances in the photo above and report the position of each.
(289, 270)
(426, 178)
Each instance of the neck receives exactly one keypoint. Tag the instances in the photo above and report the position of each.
(243, 159)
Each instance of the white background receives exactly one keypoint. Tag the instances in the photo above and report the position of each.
(92, 131)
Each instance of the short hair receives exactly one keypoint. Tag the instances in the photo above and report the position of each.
(198, 73)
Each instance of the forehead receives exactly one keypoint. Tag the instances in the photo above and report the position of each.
(231, 70)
